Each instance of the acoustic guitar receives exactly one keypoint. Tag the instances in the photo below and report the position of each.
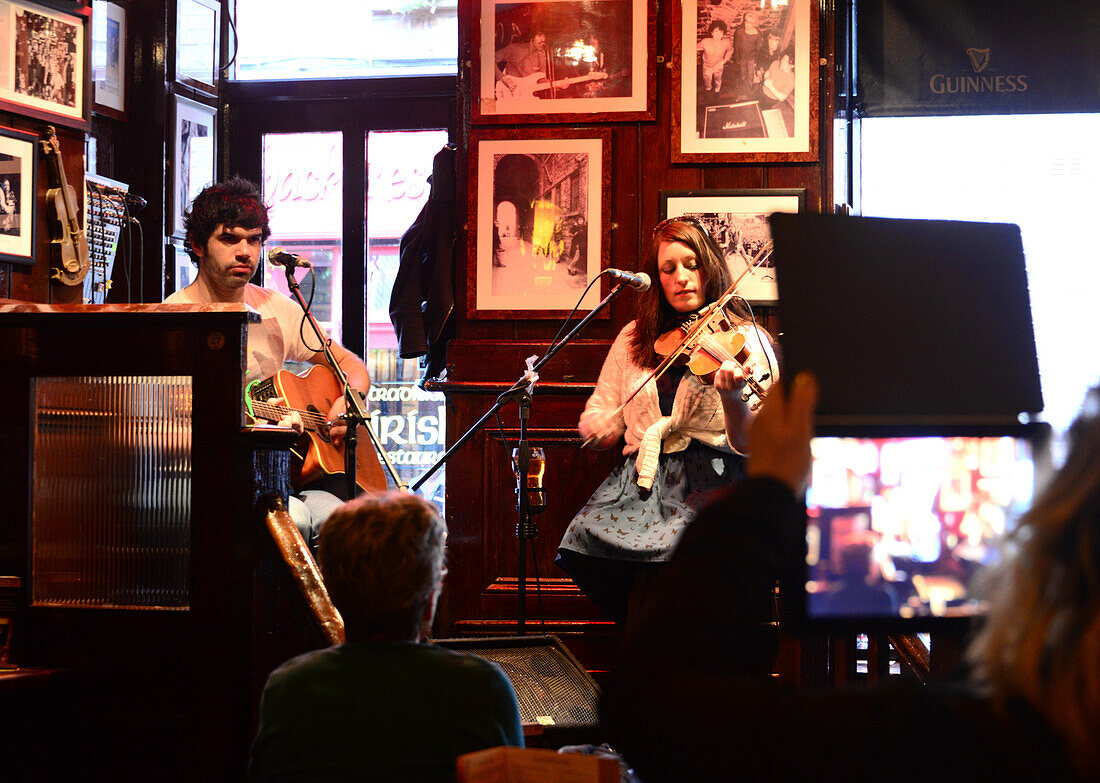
(312, 395)
(69, 245)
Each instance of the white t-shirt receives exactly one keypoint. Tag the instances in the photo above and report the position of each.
(273, 341)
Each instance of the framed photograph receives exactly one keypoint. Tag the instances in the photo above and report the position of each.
(737, 221)
(744, 86)
(564, 61)
(44, 62)
(179, 261)
(542, 221)
(193, 154)
(18, 205)
(198, 33)
(109, 58)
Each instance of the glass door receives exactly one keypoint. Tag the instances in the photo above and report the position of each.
(345, 176)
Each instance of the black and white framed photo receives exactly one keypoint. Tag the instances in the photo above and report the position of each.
(194, 154)
(737, 220)
(18, 205)
(744, 86)
(44, 62)
(542, 221)
(564, 61)
(109, 42)
(198, 34)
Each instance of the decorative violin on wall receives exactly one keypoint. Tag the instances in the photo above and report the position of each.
(69, 246)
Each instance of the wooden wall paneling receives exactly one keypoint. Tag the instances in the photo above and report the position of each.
(481, 513)
(481, 596)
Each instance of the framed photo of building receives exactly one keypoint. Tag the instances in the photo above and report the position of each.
(109, 58)
(540, 236)
(194, 150)
(737, 220)
(744, 84)
(44, 62)
(564, 61)
(18, 202)
(198, 34)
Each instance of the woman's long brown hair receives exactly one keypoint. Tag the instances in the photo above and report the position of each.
(655, 315)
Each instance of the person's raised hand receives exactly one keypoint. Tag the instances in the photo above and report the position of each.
(779, 436)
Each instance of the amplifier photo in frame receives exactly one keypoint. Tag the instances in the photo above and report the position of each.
(744, 84)
(734, 121)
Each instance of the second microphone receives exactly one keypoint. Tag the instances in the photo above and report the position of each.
(280, 257)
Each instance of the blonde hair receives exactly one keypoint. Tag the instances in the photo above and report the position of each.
(1041, 641)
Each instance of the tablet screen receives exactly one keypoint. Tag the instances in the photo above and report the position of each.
(900, 528)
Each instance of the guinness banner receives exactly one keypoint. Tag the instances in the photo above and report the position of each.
(943, 57)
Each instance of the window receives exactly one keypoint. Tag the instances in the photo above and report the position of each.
(339, 113)
(286, 39)
(410, 422)
(303, 186)
(1035, 170)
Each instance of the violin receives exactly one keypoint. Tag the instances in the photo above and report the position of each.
(699, 339)
(707, 340)
(69, 245)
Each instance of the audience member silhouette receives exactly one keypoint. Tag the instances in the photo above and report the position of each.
(692, 697)
(383, 706)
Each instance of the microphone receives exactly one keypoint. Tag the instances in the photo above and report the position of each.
(639, 281)
(135, 202)
(280, 257)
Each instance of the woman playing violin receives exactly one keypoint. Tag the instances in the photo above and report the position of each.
(685, 434)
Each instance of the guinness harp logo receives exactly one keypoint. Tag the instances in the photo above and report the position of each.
(979, 59)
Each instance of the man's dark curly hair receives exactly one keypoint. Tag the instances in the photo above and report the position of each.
(235, 202)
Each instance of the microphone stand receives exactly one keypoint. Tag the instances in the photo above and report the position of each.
(353, 403)
(522, 392)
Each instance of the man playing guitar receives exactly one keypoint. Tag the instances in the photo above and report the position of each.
(525, 69)
(226, 228)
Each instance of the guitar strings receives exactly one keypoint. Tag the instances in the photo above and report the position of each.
(280, 411)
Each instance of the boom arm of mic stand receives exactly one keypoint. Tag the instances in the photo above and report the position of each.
(517, 387)
(353, 405)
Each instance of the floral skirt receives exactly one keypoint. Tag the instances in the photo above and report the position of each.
(622, 521)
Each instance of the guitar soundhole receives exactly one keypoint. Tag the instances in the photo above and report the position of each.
(322, 425)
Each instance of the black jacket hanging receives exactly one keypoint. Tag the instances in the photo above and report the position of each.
(423, 292)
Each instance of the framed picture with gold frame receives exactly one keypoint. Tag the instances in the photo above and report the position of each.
(198, 35)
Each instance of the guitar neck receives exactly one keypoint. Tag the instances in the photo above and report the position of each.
(265, 410)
